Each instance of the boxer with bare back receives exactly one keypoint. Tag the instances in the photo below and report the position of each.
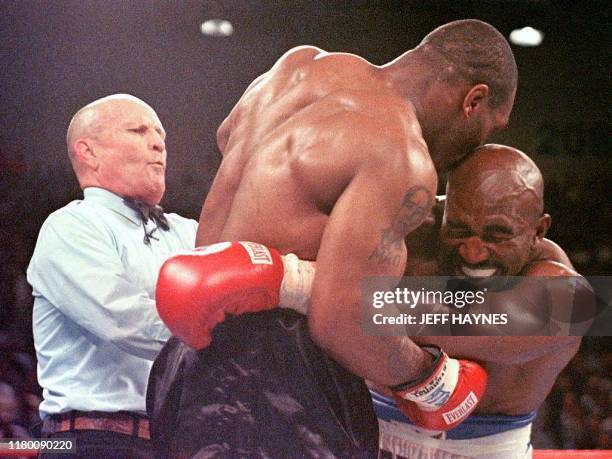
(333, 159)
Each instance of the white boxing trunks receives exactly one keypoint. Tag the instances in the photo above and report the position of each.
(480, 436)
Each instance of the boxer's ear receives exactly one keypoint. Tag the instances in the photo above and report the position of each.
(543, 225)
(475, 97)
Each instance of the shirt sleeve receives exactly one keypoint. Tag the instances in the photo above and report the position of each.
(77, 267)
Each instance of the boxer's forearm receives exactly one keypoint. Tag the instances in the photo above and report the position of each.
(385, 360)
(509, 350)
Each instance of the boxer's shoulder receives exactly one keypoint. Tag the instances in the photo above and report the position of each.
(300, 54)
(313, 62)
(547, 250)
(307, 54)
(321, 73)
(548, 268)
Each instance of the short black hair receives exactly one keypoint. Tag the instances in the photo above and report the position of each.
(476, 52)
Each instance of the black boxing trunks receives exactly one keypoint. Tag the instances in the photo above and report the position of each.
(262, 389)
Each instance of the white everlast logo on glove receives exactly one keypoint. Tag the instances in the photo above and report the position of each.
(462, 410)
(436, 391)
(259, 254)
(445, 397)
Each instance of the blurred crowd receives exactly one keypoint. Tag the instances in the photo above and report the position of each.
(576, 415)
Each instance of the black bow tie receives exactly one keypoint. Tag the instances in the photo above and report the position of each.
(146, 212)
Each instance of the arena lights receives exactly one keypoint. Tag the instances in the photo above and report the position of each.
(527, 36)
(217, 28)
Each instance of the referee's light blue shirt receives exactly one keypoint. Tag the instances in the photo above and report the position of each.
(96, 329)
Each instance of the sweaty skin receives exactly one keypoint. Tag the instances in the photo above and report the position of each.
(521, 369)
(488, 230)
(322, 157)
(332, 158)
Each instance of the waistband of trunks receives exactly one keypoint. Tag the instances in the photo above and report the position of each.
(475, 426)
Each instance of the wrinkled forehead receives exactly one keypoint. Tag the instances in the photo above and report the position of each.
(492, 193)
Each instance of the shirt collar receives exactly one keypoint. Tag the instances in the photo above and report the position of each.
(111, 201)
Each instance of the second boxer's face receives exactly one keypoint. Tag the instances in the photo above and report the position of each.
(132, 152)
(483, 237)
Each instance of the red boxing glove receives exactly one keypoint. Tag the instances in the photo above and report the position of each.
(446, 396)
(196, 289)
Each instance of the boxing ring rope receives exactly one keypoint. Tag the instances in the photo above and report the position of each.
(566, 454)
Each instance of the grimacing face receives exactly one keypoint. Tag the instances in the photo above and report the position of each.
(484, 236)
(133, 152)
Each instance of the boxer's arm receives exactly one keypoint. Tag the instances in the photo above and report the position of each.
(520, 349)
(509, 350)
(387, 198)
(388, 194)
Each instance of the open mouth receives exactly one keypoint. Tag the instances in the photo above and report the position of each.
(478, 272)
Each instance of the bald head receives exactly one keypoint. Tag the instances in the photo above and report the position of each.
(475, 52)
(94, 117)
(118, 143)
(498, 174)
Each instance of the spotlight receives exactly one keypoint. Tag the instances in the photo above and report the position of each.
(527, 36)
(217, 28)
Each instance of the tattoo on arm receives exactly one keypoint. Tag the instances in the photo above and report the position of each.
(416, 205)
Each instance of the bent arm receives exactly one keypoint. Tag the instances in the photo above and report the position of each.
(509, 350)
(387, 197)
(544, 295)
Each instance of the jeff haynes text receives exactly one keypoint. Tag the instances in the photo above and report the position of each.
(440, 319)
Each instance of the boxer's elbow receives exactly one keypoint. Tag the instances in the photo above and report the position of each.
(333, 329)
(326, 327)
(320, 328)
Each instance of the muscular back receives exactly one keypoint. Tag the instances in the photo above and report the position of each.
(292, 144)
(323, 157)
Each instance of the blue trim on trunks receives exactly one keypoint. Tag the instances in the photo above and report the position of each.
(475, 426)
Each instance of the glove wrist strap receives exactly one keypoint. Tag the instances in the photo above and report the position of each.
(437, 354)
(434, 389)
(296, 287)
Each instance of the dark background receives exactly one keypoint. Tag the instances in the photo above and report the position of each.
(57, 56)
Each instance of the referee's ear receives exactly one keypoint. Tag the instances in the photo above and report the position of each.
(85, 154)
